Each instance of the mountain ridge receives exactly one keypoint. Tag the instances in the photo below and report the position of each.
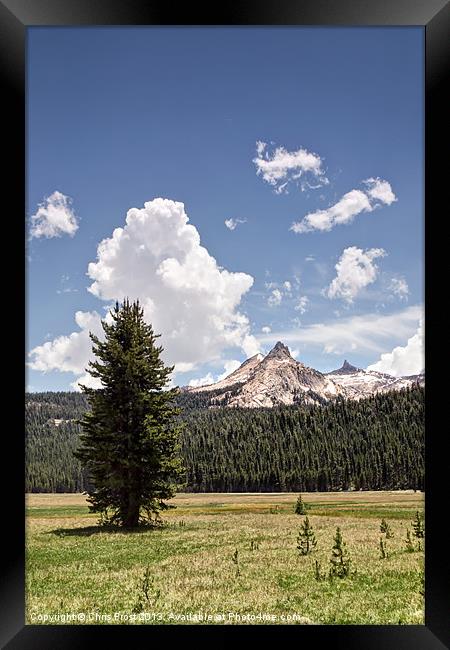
(277, 378)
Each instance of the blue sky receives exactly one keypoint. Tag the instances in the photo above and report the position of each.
(119, 117)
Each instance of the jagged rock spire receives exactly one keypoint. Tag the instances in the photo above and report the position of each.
(279, 351)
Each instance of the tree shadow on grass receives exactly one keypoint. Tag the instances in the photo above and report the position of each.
(87, 531)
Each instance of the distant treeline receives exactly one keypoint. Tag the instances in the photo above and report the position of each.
(374, 444)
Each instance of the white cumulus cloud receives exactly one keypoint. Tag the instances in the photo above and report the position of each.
(202, 381)
(404, 360)
(378, 192)
(54, 217)
(157, 257)
(266, 329)
(282, 167)
(68, 353)
(355, 270)
(229, 367)
(86, 380)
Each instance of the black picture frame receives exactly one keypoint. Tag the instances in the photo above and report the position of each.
(433, 15)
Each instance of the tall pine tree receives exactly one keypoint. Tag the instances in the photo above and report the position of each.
(130, 434)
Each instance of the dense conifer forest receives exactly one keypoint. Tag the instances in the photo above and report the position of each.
(374, 444)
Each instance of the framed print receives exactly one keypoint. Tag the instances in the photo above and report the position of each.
(231, 257)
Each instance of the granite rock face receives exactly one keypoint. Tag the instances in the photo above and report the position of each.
(274, 379)
(277, 378)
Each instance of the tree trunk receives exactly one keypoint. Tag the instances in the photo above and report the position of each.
(131, 519)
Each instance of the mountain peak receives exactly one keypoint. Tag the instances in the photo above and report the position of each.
(348, 368)
(345, 369)
(278, 378)
(279, 351)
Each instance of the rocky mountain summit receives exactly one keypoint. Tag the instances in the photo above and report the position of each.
(274, 379)
(345, 369)
(277, 378)
(280, 379)
(362, 383)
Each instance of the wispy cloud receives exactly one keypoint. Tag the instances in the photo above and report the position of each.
(302, 304)
(377, 192)
(232, 223)
(371, 333)
(279, 291)
(275, 298)
(399, 287)
(281, 167)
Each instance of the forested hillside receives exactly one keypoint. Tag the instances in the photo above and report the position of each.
(375, 443)
(51, 435)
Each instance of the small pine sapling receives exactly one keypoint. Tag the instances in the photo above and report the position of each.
(148, 590)
(386, 529)
(306, 540)
(418, 528)
(408, 540)
(340, 560)
(300, 506)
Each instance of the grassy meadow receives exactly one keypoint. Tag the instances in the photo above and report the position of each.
(188, 570)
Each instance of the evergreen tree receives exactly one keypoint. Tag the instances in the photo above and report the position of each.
(385, 528)
(340, 560)
(300, 506)
(129, 443)
(408, 540)
(418, 528)
(306, 540)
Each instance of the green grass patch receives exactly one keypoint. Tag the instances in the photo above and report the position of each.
(363, 513)
(58, 512)
(73, 566)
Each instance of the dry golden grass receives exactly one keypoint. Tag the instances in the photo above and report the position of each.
(271, 498)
